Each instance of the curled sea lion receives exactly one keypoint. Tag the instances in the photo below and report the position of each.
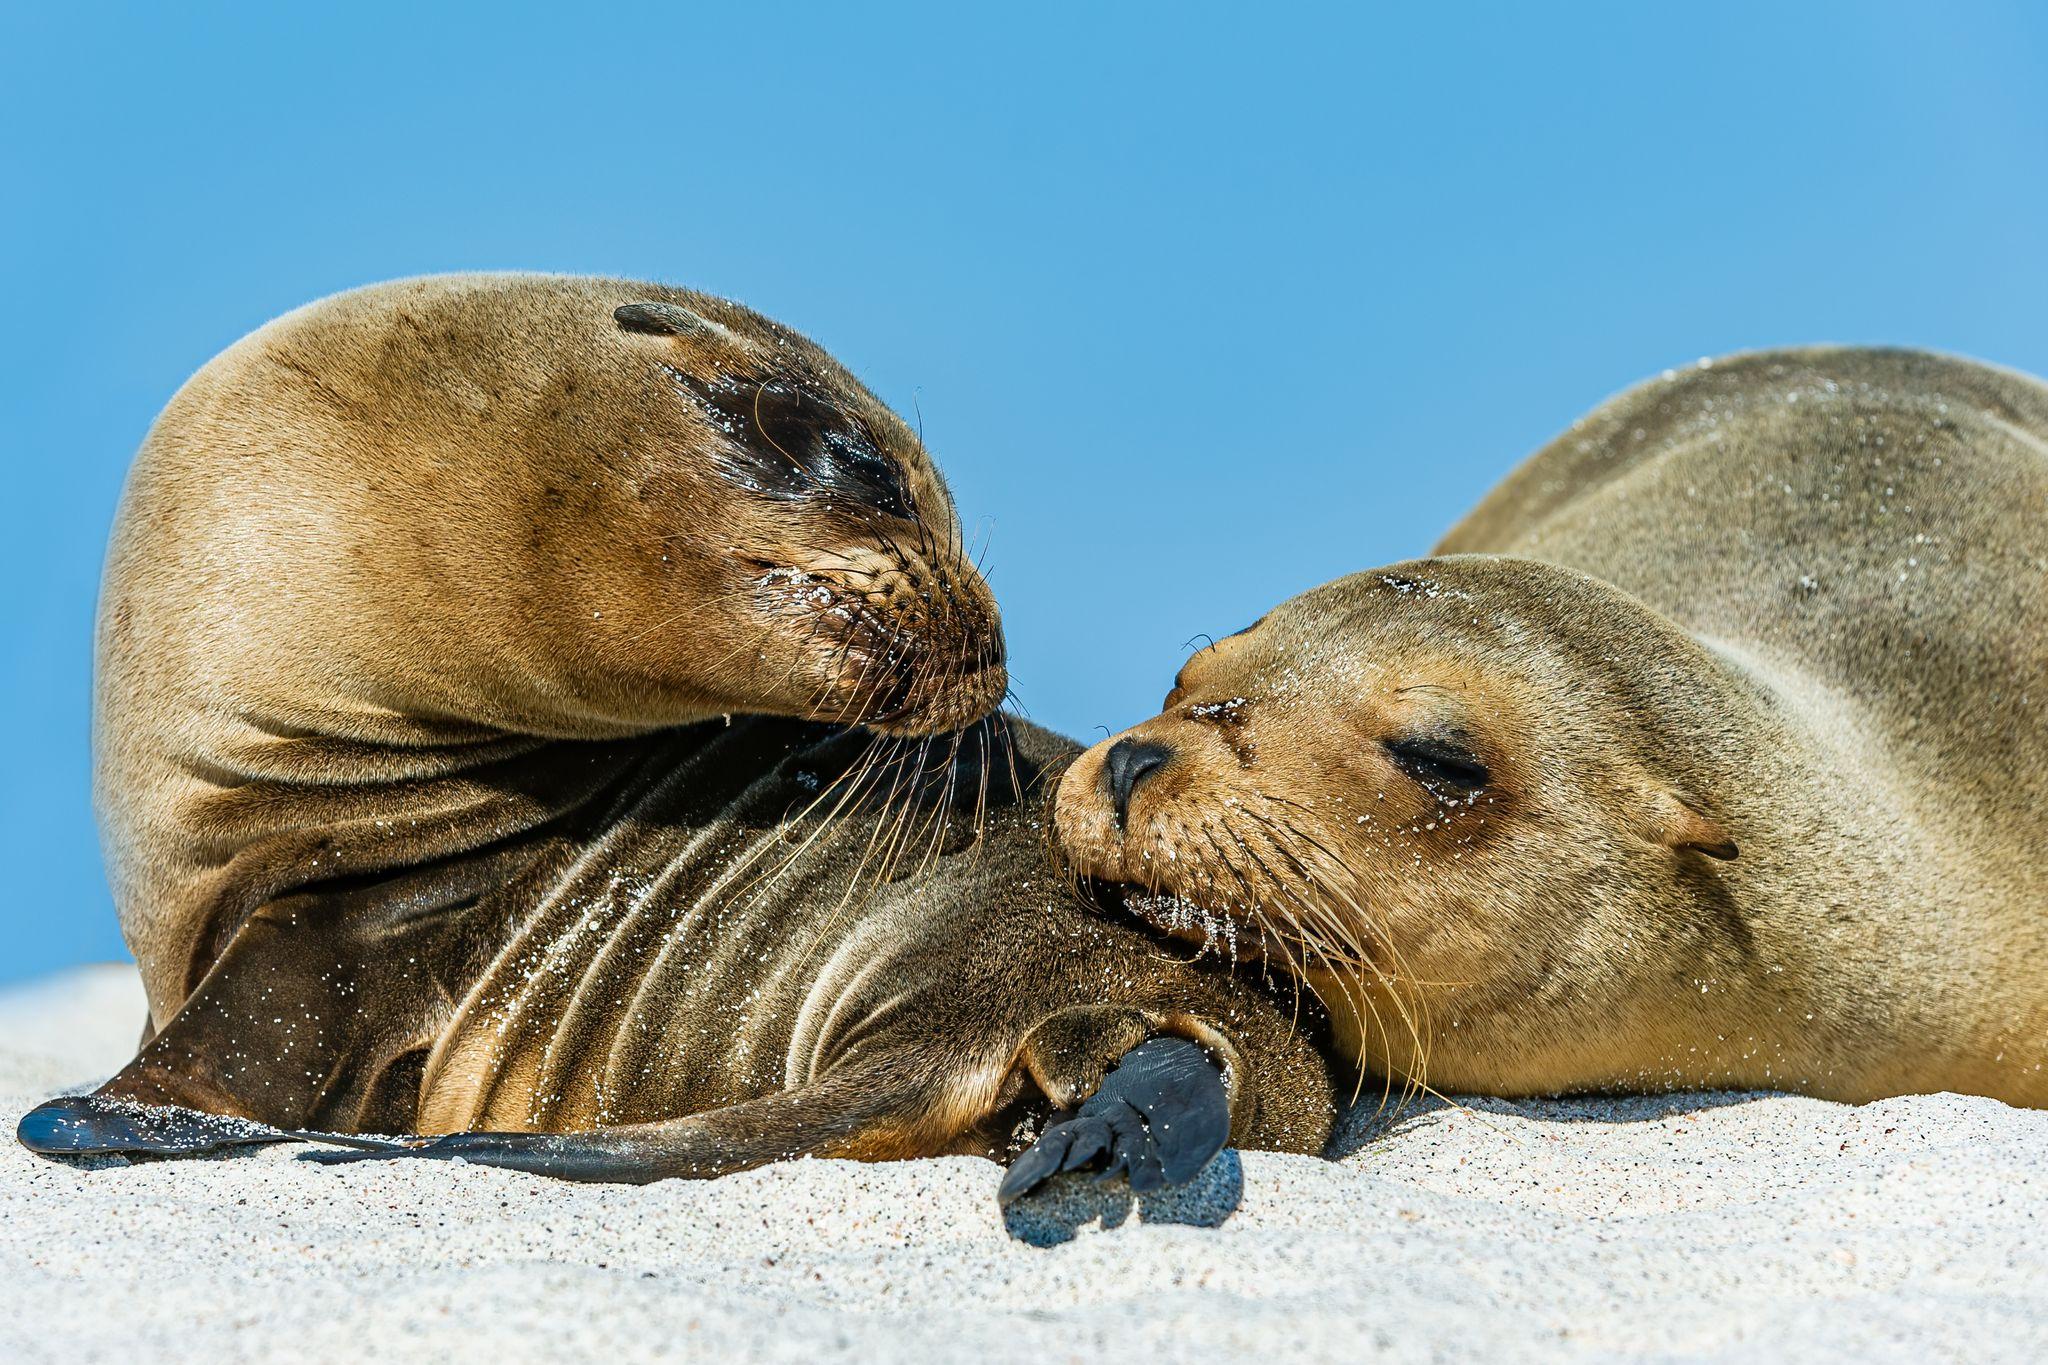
(1711, 749)
(427, 617)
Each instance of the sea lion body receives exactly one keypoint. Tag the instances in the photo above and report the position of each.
(378, 555)
(1709, 750)
(470, 757)
(743, 931)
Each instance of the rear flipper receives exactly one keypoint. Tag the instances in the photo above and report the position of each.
(1159, 1115)
(367, 973)
(844, 1116)
(1159, 1118)
(107, 1125)
(869, 1115)
(226, 1071)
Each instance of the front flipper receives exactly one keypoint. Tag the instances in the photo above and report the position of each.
(1159, 1117)
(106, 1125)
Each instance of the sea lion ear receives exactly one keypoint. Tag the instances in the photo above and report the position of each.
(667, 319)
(1679, 826)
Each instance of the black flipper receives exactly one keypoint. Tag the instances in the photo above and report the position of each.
(1135, 1154)
(102, 1125)
(565, 1156)
(1161, 1114)
(860, 1114)
(1091, 1137)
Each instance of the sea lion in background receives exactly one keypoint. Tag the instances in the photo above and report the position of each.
(423, 608)
(1710, 750)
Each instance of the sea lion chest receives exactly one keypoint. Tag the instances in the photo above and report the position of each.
(691, 946)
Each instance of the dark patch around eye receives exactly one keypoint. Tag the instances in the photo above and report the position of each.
(1439, 762)
(791, 444)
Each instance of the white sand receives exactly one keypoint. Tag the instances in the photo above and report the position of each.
(1710, 1226)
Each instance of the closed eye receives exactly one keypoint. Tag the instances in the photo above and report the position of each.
(790, 444)
(1439, 763)
(851, 465)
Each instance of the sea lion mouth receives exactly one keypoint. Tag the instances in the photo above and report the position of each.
(942, 699)
(888, 655)
(1235, 932)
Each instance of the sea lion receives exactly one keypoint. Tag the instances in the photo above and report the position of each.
(427, 617)
(376, 557)
(1709, 750)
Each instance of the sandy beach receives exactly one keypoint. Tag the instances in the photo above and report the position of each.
(1700, 1227)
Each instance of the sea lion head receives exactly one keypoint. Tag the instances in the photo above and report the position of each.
(800, 542)
(554, 506)
(1443, 784)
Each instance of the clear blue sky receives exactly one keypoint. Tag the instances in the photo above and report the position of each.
(1200, 306)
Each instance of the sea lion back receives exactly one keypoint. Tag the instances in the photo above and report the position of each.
(1872, 524)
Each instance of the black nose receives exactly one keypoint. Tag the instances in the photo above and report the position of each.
(1129, 762)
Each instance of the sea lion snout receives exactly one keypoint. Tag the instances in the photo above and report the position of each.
(1107, 797)
(896, 642)
(1139, 810)
(1129, 762)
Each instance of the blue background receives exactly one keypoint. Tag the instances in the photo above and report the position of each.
(1200, 306)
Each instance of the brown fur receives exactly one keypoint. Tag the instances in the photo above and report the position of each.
(424, 607)
(1755, 657)
(377, 554)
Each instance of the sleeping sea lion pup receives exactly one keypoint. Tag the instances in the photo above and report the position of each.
(1711, 749)
(428, 612)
